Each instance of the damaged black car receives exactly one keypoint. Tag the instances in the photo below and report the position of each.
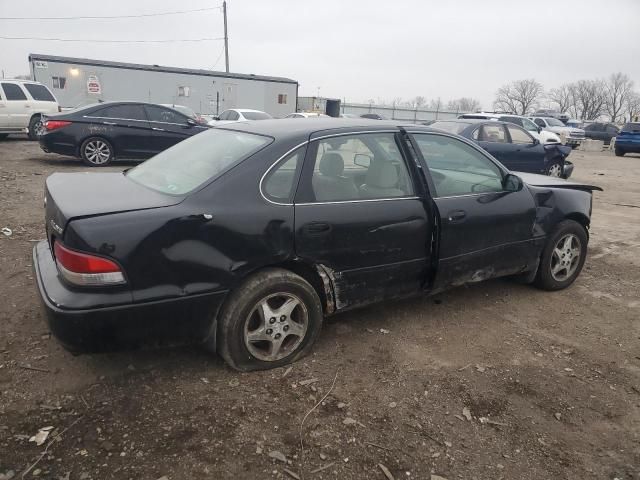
(245, 237)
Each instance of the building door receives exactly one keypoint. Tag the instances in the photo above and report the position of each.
(230, 96)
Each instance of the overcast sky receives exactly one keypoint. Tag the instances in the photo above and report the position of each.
(357, 50)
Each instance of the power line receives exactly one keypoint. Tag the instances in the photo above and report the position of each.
(113, 41)
(107, 17)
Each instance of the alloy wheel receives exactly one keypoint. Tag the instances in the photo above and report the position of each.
(276, 327)
(97, 152)
(38, 128)
(555, 170)
(565, 257)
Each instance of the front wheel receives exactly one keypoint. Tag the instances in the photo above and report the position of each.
(618, 152)
(271, 320)
(555, 170)
(563, 257)
(96, 152)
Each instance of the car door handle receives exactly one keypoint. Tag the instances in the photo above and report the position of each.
(457, 215)
(157, 129)
(317, 228)
(109, 123)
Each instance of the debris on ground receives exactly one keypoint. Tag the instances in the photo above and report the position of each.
(386, 471)
(466, 413)
(308, 382)
(41, 436)
(349, 421)
(292, 474)
(7, 231)
(384, 331)
(277, 455)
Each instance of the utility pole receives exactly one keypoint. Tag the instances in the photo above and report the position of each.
(226, 37)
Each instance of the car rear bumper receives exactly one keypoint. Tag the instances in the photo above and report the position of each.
(99, 327)
(628, 145)
(49, 143)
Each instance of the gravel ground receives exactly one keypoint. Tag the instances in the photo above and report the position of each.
(491, 381)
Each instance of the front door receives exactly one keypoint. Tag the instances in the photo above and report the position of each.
(485, 231)
(528, 154)
(169, 127)
(127, 126)
(361, 217)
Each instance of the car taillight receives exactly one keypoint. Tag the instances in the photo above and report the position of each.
(85, 269)
(55, 124)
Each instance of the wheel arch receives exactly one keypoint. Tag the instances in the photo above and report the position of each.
(580, 218)
(114, 152)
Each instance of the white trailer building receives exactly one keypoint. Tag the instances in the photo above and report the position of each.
(80, 81)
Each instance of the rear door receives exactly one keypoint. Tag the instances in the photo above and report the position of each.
(361, 216)
(127, 127)
(4, 112)
(42, 99)
(169, 127)
(494, 139)
(485, 231)
(18, 108)
(528, 154)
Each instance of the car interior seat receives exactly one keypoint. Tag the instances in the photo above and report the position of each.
(329, 184)
(381, 181)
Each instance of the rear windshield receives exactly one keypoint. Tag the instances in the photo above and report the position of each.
(451, 127)
(631, 127)
(39, 92)
(196, 160)
(256, 115)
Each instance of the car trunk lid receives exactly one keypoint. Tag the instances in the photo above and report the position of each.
(77, 195)
(554, 182)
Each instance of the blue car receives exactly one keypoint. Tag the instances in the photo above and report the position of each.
(513, 146)
(628, 140)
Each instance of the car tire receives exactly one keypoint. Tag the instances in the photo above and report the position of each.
(562, 262)
(248, 340)
(35, 127)
(555, 170)
(96, 152)
(618, 152)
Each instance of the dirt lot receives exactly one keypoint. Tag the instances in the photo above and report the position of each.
(492, 381)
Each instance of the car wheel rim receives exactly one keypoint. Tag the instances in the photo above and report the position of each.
(276, 327)
(97, 152)
(555, 170)
(565, 257)
(38, 128)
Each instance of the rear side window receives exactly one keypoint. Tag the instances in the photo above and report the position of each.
(280, 182)
(519, 136)
(39, 92)
(492, 133)
(13, 91)
(123, 112)
(164, 115)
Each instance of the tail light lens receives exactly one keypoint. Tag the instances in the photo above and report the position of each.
(85, 269)
(55, 124)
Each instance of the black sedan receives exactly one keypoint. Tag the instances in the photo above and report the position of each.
(245, 237)
(601, 131)
(102, 132)
(513, 146)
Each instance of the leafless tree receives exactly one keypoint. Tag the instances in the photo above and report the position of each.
(519, 97)
(464, 104)
(417, 102)
(435, 104)
(561, 96)
(632, 106)
(617, 90)
(588, 99)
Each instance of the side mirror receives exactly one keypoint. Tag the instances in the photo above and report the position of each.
(362, 160)
(512, 183)
(191, 122)
(536, 142)
(539, 128)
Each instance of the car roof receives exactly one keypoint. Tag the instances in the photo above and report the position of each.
(243, 110)
(20, 80)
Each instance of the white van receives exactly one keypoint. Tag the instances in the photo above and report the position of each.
(22, 103)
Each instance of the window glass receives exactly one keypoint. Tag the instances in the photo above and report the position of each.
(233, 115)
(13, 91)
(554, 122)
(256, 116)
(282, 98)
(514, 120)
(39, 92)
(196, 160)
(612, 129)
(59, 82)
(540, 122)
(457, 168)
(359, 167)
(224, 115)
(122, 112)
(279, 183)
(492, 133)
(529, 125)
(519, 136)
(451, 127)
(164, 115)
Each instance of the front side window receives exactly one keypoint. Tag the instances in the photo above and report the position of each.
(13, 92)
(164, 115)
(519, 136)
(492, 133)
(540, 122)
(359, 167)
(196, 160)
(122, 112)
(233, 115)
(554, 122)
(612, 129)
(279, 183)
(39, 92)
(529, 125)
(457, 168)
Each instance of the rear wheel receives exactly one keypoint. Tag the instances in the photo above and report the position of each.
(619, 152)
(555, 170)
(96, 152)
(563, 256)
(271, 320)
(36, 127)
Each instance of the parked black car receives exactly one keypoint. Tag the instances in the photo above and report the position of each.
(513, 146)
(102, 132)
(601, 131)
(373, 116)
(244, 237)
